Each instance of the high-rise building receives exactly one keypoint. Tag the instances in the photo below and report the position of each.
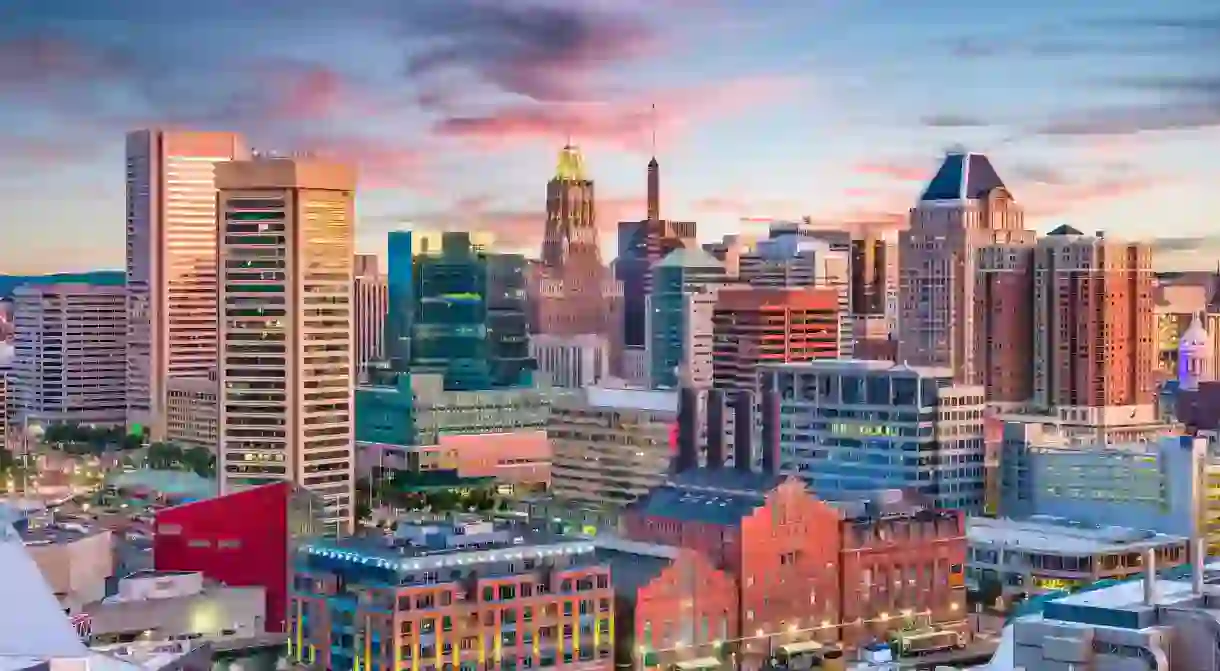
(874, 271)
(171, 263)
(372, 295)
(680, 315)
(1003, 314)
(753, 326)
(286, 350)
(70, 355)
(571, 361)
(571, 220)
(1093, 322)
(400, 301)
(470, 313)
(964, 207)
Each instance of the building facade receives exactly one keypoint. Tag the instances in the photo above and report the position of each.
(610, 446)
(964, 207)
(858, 426)
(171, 263)
(753, 326)
(70, 355)
(641, 244)
(572, 361)
(680, 316)
(1090, 290)
(192, 414)
(372, 296)
(1004, 321)
(286, 356)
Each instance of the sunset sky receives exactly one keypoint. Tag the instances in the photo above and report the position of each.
(1105, 115)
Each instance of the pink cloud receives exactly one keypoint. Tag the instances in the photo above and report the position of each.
(899, 171)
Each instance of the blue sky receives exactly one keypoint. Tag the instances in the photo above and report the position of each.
(1103, 115)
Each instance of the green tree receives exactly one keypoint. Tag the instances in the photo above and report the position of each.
(199, 460)
(6, 462)
(165, 456)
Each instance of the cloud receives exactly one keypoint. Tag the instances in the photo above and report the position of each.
(381, 164)
(624, 123)
(911, 171)
(1056, 199)
(750, 209)
(545, 52)
(954, 121)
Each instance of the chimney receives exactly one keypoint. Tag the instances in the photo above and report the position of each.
(743, 431)
(715, 428)
(770, 427)
(688, 430)
(1150, 577)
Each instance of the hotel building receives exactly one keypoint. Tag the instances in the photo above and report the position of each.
(286, 368)
(171, 263)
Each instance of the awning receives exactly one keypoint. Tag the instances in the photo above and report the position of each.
(699, 663)
(802, 646)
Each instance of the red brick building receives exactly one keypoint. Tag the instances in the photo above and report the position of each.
(805, 569)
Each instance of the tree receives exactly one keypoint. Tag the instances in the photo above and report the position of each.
(6, 462)
(164, 456)
(200, 461)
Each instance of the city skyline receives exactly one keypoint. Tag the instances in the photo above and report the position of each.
(1094, 116)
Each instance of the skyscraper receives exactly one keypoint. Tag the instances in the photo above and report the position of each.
(964, 207)
(286, 351)
(680, 314)
(1004, 331)
(171, 263)
(570, 240)
(1093, 322)
(372, 302)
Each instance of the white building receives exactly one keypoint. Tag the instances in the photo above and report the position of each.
(70, 360)
(372, 295)
(171, 263)
(572, 361)
(286, 351)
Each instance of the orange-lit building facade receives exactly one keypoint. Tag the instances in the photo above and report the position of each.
(1004, 336)
(752, 326)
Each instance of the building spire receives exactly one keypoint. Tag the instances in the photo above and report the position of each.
(654, 175)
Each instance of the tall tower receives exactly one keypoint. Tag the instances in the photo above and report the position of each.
(372, 304)
(286, 349)
(571, 222)
(964, 207)
(1093, 322)
(171, 263)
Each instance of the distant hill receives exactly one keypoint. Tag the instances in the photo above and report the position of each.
(105, 277)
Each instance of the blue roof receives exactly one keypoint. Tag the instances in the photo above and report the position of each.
(963, 176)
(722, 496)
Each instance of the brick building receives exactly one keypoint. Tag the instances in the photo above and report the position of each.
(755, 325)
(805, 569)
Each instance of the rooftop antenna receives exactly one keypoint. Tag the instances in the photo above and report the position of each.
(653, 122)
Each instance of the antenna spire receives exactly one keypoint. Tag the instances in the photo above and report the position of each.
(653, 122)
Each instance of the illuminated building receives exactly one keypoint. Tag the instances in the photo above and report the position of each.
(861, 426)
(286, 370)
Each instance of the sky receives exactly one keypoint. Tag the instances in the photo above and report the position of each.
(1099, 114)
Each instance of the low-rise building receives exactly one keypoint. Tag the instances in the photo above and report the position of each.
(177, 604)
(1023, 558)
(191, 414)
(611, 446)
(75, 560)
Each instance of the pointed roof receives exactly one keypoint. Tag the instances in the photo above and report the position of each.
(571, 166)
(690, 257)
(1064, 229)
(32, 624)
(963, 176)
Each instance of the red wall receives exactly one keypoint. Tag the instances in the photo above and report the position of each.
(682, 595)
(240, 540)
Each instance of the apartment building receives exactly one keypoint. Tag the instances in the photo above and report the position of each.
(192, 414)
(70, 355)
(286, 367)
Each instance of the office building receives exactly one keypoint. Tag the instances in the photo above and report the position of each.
(874, 274)
(70, 355)
(1146, 485)
(1026, 558)
(641, 244)
(571, 361)
(1004, 322)
(1090, 291)
(853, 425)
(680, 315)
(753, 326)
(372, 296)
(419, 426)
(400, 299)
(469, 319)
(611, 446)
(192, 414)
(286, 374)
(964, 207)
(462, 592)
(171, 263)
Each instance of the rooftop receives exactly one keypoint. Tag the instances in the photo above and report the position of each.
(858, 365)
(56, 534)
(1063, 537)
(632, 399)
(723, 496)
(690, 257)
(962, 176)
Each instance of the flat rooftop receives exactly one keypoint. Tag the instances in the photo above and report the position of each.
(857, 365)
(632, 399)
(57, 534)
(1059, 536)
